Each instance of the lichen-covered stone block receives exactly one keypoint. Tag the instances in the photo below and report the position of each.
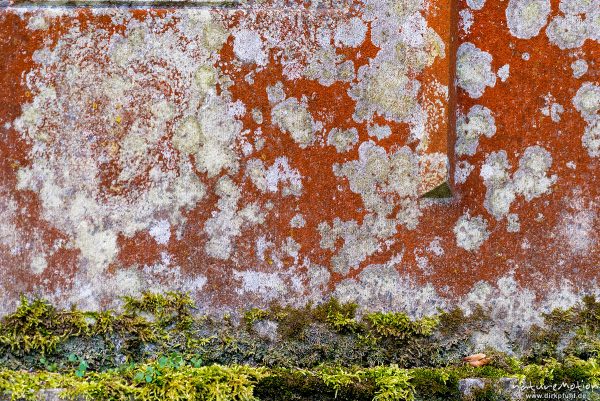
(285, 151)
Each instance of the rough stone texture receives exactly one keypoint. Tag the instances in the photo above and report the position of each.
(507, 388)
(467, 387)
(278, 152)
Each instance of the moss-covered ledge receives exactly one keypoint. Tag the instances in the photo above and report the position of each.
(157, 348)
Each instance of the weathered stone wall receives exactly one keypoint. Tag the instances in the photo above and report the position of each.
(280, 152)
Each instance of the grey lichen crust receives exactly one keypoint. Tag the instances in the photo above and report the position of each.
(479, 121)
(474, 70)
(587, 103)
(526, 18)
(531, 179)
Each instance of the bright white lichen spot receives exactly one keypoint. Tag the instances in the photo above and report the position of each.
(513, 224)
(161, 232)
(587, 101)
(387, 90)
(479, 121)
(268, 285)
(593, 24)
(293, 117)
(281, 175)
(462, 171)
(591, 138)
(476, 4)
(351, 33)
(37, 22)
(504, 72)
(248, 47)
(552, 109)
(579, 67)
(578, 6)
(278, 176)
(343, 140)
(526, 18)
(38, 264)
(379, 131)
(466, 20)
(435, 247)
(474, 70)
(297, 221)
(531, 179)
(387, 184)
(500, 191)
(382, 287)
(226, 224)
(577, 226)
(567, 32)
(471, 232)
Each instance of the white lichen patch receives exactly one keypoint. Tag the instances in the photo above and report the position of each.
(587, 103)
(328, 67)
(343, 140)
(385, 90)
(578, 6)
(38, 22)
(551, 108)
(387, 184)
(280, 176)
(248, 47)
(462, 171)
(435, 247)
(513, 225)
(226, 224)
(579, 67)
(38, 264)
(478, 121)
(351, 33)
(509, 318)
(297, 221)
(293, 117)
(474, 70)
(268, 286)
(471, 232)
(360, 241)
(531, 179)
(466, 20)
(381, 287)
(476, 4)
(567, 32)
(380, 177)
(504, 72)
(577, 226)
(379, 131)
(161, 232)
(591, 138)
(526, 18)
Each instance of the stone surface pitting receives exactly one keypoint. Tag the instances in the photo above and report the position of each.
(270, 152)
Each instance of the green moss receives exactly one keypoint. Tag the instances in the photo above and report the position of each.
(399, 325)
(442, 191)
(157, 347)
(174, 378)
